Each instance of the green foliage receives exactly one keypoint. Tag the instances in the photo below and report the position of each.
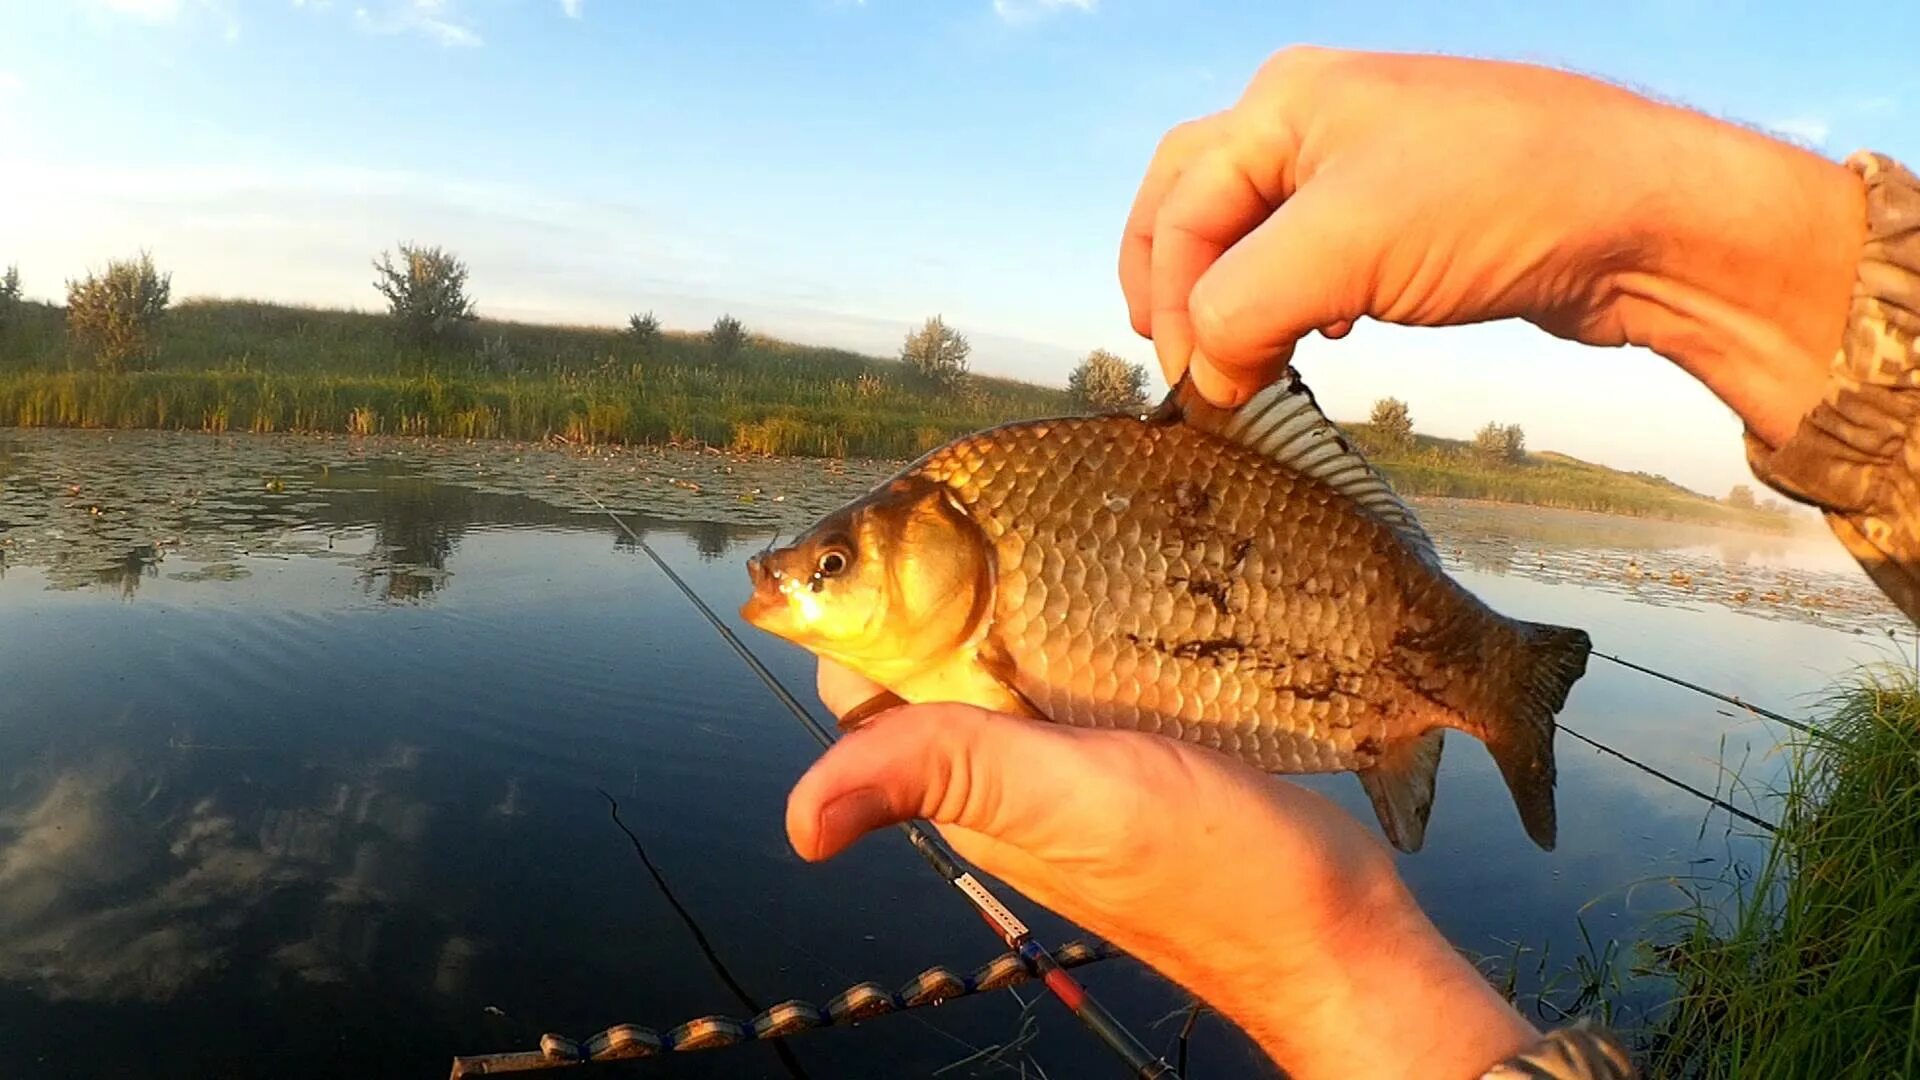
(644, 332)
(726, 337)
(426, 295)
(497, 356)
(113, 315)
(1741, 497)
(1392, 422)
(1807, 966)
(1501, 442)
(936, 352)
(9, 295)
(1103, 382)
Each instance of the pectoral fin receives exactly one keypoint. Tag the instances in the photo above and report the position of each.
(982, 676)
(1400, 784)
(870, 708)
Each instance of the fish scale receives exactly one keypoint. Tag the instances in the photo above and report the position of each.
(1149, 646)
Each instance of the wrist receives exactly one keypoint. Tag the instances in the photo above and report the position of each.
(1388, 969)
(1303, 987)
(1749, 290)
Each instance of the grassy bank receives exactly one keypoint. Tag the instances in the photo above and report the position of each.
(237, 366)
(1452, 468)
(245, 366)
(1813, 968)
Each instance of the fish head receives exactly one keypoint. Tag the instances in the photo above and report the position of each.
(888, 585)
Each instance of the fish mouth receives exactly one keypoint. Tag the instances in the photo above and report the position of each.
(767, 600)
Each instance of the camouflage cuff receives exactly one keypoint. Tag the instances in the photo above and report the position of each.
(1852, 455)
(1580, 1052)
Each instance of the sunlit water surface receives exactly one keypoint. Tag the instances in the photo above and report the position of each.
(303, 746)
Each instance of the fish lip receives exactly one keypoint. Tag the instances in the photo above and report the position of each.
(759, 606)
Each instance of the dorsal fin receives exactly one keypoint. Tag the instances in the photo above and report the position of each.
(1284, 423)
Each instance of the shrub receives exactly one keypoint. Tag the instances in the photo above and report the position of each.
(426, 294)
(1104, 382)
(113, 314)
(936, 351)
(644, 332)
(1392, 423)
(726, 337)
(1501, 442)
(496, 355)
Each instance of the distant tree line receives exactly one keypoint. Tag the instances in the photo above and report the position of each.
(115, 317)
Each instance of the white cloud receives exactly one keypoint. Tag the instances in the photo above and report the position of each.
(1024, 11)
(571, 7)
(1809, 129)
(439, 20)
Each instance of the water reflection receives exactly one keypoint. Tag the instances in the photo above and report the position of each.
(345, 820)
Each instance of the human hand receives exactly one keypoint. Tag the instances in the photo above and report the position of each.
(1262, 897)
(1434, 191)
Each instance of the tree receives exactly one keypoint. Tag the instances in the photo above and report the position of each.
(1498, 442)
(1104, 382)
(1392, 423)
(936, 351)
(644, 330)
(726, 337)
(426, 294)
(114, 314)
(9, 295)
(1741, 497)
(1516, 448)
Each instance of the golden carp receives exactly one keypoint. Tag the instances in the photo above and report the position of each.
(1240, 579)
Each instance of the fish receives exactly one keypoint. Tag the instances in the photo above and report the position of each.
(1243, 579)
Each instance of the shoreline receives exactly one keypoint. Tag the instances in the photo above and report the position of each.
(558, 444)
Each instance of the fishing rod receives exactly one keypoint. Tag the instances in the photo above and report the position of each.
(1017, 936)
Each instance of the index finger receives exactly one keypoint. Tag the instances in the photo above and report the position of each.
(1177, 149)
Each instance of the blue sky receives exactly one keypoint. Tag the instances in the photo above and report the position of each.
(830, 170)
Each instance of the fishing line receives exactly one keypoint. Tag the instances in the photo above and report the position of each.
(1730, 699)
(1675, 781)
(781, 1049)
(1014, 932)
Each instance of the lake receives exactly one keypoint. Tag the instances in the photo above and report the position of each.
(307, 747)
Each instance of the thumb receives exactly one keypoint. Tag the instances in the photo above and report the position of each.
(1309, 266)
(943, 763)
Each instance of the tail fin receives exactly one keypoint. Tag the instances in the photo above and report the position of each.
(1520, 734)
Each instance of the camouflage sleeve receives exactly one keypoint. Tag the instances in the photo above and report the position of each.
(1580, 1052)
(1852, 456)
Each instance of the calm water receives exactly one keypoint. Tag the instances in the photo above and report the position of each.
(302, 746)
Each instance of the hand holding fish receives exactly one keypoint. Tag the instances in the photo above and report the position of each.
(1266, 898)
(1434, 191)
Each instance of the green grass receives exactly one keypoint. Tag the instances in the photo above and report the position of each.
(1812, 968)
(241, 366)
(249, 366)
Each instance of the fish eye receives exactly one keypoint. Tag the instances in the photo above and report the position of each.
(832, 562)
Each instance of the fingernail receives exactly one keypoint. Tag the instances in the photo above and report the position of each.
(850, 816)
(1212, 385)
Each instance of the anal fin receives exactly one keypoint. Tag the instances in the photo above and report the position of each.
(1400, 784)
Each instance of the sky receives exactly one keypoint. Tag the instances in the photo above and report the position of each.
(831, 171)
